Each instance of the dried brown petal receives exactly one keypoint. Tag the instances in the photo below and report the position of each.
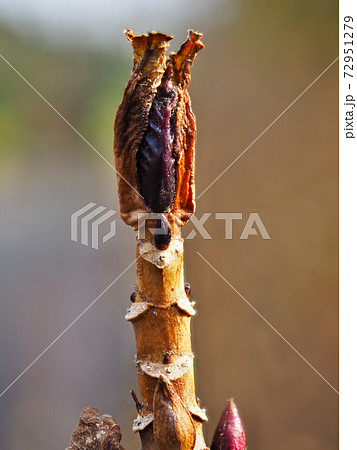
(183, 59)
(184, 145)
(132, 117)
(229, 434)
(173, 425)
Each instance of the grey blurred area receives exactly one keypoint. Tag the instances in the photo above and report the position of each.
(259, 57)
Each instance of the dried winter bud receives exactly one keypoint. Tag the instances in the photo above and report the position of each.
(229, 434)
(173, 425)
(155, 160)
(155, 131)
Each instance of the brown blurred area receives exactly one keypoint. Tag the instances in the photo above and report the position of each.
(289, 176)
(255, 64)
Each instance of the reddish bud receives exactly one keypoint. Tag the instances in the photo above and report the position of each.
(229, 434)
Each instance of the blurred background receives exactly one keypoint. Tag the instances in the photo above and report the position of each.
(259, 57)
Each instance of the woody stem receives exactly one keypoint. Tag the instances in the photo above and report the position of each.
(161, 316)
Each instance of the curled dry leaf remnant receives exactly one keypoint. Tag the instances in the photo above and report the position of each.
(95, 431)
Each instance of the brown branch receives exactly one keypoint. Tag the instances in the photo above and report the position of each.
(161, 317)
(154, 147)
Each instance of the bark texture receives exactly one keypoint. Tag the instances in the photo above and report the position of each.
(161, 316)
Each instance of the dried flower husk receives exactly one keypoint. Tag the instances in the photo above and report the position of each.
(176, 191)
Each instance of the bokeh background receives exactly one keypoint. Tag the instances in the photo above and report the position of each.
(259, 57)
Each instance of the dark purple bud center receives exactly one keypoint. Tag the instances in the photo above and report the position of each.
(155, 161)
